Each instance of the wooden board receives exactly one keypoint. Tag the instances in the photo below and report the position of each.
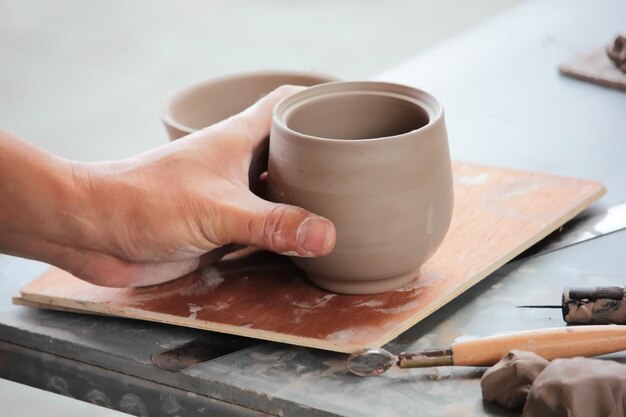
(595, 67)
(498, 214)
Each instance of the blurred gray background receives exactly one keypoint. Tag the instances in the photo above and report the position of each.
(86, 79)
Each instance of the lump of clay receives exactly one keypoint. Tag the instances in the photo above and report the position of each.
(578, 387)
(617, 53)
(508, 382)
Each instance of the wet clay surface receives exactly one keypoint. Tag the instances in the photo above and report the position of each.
(207, 102)
(373, 158)
(578, 387)
(498, 214)
(354, 118)
(508, 382)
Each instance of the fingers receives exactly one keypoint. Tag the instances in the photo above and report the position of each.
(253, 124)
(279, 228)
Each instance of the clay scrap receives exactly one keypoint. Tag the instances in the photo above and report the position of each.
(508, 382)
(617, 53)
(605, 66)
(576, 387)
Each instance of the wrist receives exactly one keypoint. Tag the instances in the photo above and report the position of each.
(100, 199)
(76, 226)
(56, 217)
(41, 209)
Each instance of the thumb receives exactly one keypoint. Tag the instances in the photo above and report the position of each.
(279, 228)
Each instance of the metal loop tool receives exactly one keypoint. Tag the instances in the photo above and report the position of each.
(372, 362)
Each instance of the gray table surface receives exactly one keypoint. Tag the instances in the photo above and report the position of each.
(506, 105)
(25, 401)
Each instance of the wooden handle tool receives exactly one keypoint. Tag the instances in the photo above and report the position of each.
(562, 342)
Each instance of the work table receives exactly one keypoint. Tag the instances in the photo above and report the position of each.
(506, 105)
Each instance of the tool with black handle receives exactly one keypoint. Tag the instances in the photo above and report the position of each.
(594, 305)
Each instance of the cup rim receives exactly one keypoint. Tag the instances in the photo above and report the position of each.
(178, 93)
(285, 107)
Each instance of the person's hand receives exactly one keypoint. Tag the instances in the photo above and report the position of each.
(159, 215)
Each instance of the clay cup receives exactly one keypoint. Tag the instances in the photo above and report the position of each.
(373, 158)
(207, 102)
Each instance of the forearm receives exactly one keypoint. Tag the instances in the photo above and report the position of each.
(39, 212)
(156, 216)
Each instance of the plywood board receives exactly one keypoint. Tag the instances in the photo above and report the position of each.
(498, 213)
(595, 67)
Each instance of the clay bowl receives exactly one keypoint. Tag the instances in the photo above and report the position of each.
(373, 158)
(204, 103)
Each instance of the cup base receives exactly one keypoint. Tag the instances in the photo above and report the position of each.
(363, 287)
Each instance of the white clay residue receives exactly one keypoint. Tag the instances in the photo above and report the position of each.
(319, 302)
(131, 403)
(514, 192)
(219, 306)
(400, 308)
(304, 308)
(193, 310)
(411, 287)
(169, 404)
(95, 396)
(298, 315)
(424, 280)
(369, 303)
(58, 385)
(474, 179)
(284, 356)
(350, 334)
(210, 280)
(335, 366)
(341, 336)
(439, 373)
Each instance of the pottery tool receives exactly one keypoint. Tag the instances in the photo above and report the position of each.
(590, 224)
(561, 342)
(594, 305)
